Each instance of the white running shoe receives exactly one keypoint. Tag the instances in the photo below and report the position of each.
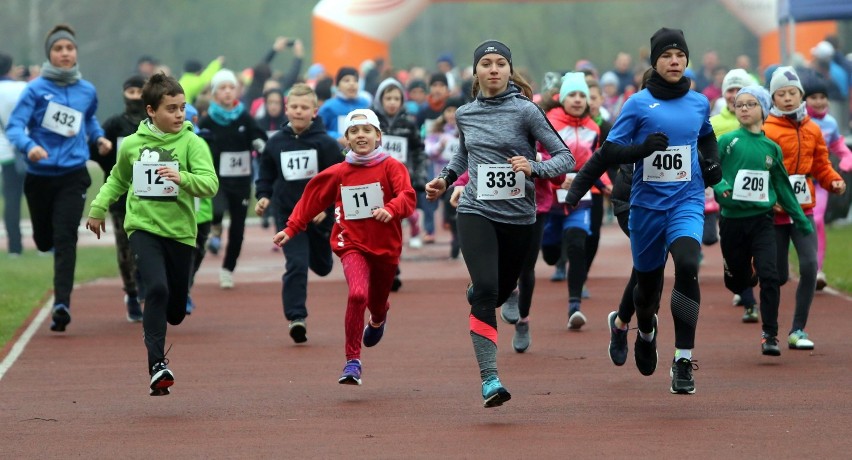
(415, 242)
(226, 279)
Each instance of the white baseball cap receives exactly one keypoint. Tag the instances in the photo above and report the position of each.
(370, 118)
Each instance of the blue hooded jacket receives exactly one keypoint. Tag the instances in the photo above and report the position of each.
(64, 153)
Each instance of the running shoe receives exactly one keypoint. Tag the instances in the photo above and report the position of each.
(750, 315)
(821, 283)
(559, 274)
(161, 378)
(415, 242)
(134, 309)
(190, 305)
(521, 340)
(214, 244)
(351, 373)
(372, 335)
(798, 340)
(226, 279)
(509, 311)
(645, 354)
(681, 373)
(299, 330)
(493, 392)
(61, 318)
(617, 341)
(576, 318)
(769, 345)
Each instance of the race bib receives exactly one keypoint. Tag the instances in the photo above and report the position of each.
(299, 164)
(450, 149)
(562, 194)
(673, 165)
(62, 120)
(801, 188)
(359, 201)
(396, 146)
(499, 182)
(751, 185)
(235, 164)
(146, 181)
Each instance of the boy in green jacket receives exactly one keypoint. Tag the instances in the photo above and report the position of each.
(754, 183)
(162, 168)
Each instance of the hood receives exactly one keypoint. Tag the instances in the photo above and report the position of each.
(511, 91)
(383, 86)
(145, 131)
(316, 127)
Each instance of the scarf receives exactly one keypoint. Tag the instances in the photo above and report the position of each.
(371, 159)
(222, 116)
(797, 114)
(62, 77)
(818, 115)
(154, 129)
(662, 89)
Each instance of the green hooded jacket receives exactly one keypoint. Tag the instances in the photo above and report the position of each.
(169, 218)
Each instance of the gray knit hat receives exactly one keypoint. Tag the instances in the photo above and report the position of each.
(784, 76)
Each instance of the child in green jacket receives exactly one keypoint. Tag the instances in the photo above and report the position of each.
(162, 168)
(754, 181)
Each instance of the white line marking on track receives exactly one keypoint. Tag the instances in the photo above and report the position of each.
(24, 339)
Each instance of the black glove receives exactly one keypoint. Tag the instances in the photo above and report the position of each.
(653, 143)
(712, 173)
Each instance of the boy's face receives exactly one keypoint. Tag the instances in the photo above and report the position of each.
(348, 86)
(818, 102)
(392, 101)
(363, 139)
(575, 104)
(671, 65)
(595, 100)
(170, 115)
(417, 95)
(300, 110)
(439, 91)
(748, 110)
(133, 93)
(225, 94)
(787, 98)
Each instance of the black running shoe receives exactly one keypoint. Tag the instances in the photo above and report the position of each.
(681, 373)
(299, 330)
(645, 353)
(61, 317)
(161, 378)
(617, 342)
(769, 346)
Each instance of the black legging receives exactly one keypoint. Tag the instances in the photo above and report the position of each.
(233, 196)
(526, 282)
(686, 295)
(494, 253)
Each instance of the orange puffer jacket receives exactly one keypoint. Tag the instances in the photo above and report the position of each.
(804, 151)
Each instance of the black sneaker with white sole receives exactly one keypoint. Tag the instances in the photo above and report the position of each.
(299, 330)
(161, 378)
(682, 381)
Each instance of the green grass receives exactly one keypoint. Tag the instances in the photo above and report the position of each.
(25, 281)
(836, 266)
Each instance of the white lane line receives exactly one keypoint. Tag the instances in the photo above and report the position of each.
(24, 339)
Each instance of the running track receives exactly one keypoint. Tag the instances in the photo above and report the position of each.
(244, 390)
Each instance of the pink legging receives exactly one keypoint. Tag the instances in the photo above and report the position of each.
(819, 218)
(369, 281)
(414, 223)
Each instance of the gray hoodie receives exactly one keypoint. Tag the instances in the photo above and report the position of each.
(492, 130)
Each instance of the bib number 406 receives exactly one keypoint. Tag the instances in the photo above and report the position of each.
(668, 161)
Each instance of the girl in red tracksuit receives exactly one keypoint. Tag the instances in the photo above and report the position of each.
(371, 193)
(572, 228)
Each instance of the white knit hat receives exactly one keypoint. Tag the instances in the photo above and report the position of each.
(222, 76)
(737, 78)
(784, 76)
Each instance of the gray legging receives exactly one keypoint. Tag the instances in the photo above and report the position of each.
(806, 249)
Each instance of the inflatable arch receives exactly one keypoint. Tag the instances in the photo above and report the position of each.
(347, 32)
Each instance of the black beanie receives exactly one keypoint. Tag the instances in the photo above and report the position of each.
(815, 85)
(454, 102)
(666, 39)
(492, 46)
(192, 66)
(136, 81)
(438, 77)
(344, 71)
(417, 83)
